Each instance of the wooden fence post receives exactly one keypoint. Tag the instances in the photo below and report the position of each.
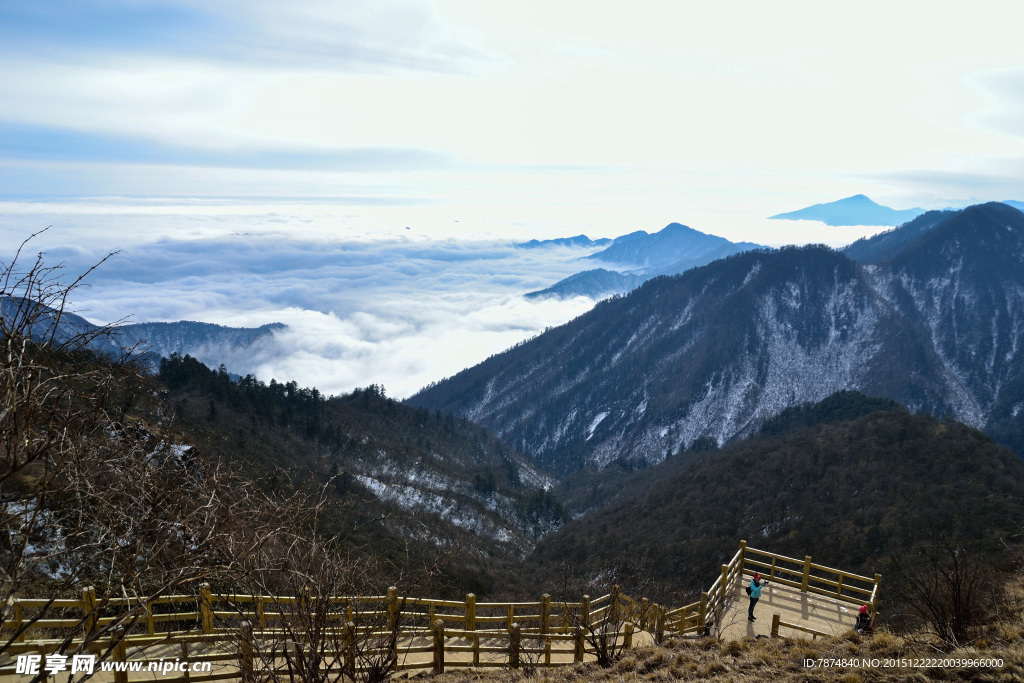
(874, 597)
(545, 613)
(245, 652)
(511, 617)
(120, 653)
(775, 626)
(724, 585)
(627, 641)
(470, 612)
(350, 649)
(807, 573)
(578, 650)
(206, 607)
(514, 641)
(585, 610)
(547, 651)
(392, 608)
(659, 623)
(702, 611)
(439, 646)
(743, 556)
(183, 649)
(645, 605)
(89, 608)
(150, 622)
(19, 619)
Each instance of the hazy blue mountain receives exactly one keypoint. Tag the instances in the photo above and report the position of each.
(1015, 204)
(577, 241)
(596, 284)
(673, 244)
(189, 337)
(889, 244)
(673, 250)
(855, 210)
(147, 341)
(714, 352)
(17, 311)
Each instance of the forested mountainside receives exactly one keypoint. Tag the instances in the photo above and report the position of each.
(888, 244)
(439, 484)
(848, 491)
(716, 351)
(588, 490)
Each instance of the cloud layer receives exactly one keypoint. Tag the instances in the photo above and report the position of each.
(397, 311)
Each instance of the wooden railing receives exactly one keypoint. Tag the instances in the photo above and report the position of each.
(777, 622)
(812, 578)
(421, 631)
(418, 631)
(788, 571)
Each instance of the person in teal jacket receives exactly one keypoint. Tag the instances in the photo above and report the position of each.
(754, 591)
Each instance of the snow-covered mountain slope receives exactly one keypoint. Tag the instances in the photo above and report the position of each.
(432, 476)
(717, 350)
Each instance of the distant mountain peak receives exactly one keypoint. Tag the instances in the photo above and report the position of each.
(858, 209)
(672, 244)
(640, 256)
(934, 323)
(577, 241)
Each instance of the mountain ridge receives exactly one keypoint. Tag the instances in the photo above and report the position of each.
(836, 487)
(673, 250)
(855, 210)
(147, 342)
(717, 350)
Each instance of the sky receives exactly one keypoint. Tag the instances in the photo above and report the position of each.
(182, 129)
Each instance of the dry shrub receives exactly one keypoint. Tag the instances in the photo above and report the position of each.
(626, 664)
(655, 660)
(887, 644)
(734, 648)
(711, 668)
(708, 643)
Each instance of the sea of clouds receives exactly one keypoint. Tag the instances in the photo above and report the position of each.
(393, 307)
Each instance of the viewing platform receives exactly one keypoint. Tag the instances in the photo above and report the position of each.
(242, 636)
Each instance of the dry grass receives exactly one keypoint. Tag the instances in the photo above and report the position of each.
(781, 659)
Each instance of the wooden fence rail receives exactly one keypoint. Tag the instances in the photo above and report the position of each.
(519, 631)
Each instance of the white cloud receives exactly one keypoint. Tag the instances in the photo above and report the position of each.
(400, 311)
